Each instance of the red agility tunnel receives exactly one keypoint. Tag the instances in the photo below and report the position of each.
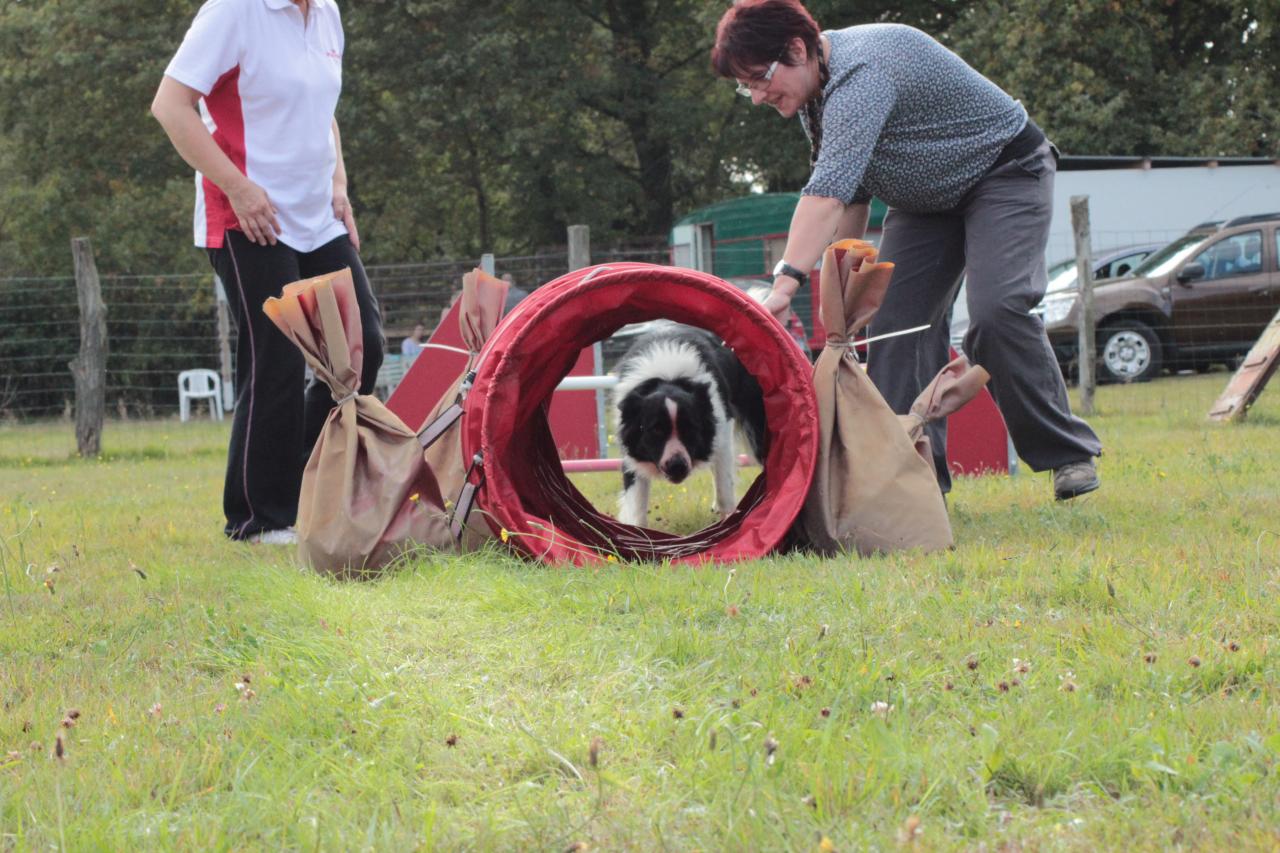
(523, 490)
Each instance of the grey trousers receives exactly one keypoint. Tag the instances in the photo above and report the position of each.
(997, 234)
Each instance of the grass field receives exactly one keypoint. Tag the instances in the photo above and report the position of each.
(1098, 674)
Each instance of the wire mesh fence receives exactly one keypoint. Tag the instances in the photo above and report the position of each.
(159, 325)
(156, 326)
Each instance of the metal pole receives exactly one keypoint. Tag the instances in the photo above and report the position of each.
(602, 406)
(224, 345)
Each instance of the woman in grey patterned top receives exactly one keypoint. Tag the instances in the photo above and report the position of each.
(968, 179)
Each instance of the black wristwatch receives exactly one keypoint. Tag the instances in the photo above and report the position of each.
(784, 268)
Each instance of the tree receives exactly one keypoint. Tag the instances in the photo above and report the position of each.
(519, 118)
(81, 152)
(492, 125)
(1147, 77)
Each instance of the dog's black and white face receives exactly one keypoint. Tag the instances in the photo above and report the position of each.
(668, 426)
(678, 396)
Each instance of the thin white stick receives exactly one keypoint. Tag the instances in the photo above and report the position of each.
(443, 347)
(586, 383)
(892, 334)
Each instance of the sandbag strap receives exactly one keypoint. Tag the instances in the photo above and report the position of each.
(467, 497)
(438, 427)
(449, 416)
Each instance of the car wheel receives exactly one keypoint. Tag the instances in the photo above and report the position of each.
(1128, 351)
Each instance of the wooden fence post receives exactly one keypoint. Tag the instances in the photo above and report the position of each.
(579, 247)
(1088, 352)
(90, 367)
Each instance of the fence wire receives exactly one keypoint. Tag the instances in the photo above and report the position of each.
(156, 326)
(160, 325)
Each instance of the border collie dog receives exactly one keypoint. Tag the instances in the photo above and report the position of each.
(680, 393)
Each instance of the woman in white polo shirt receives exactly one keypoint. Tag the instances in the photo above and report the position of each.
(248, 101)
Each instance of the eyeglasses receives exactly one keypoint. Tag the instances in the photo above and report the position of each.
(759, 84)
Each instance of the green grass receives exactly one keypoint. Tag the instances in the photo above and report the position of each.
(453, 704)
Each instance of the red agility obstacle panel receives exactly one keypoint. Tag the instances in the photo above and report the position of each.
(521, 488)
(977, 439)
(575, 415)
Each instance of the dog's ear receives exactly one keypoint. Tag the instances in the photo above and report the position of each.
(631, 418)
(700, 391)
(698, 422)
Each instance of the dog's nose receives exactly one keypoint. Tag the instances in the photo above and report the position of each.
(676, 468)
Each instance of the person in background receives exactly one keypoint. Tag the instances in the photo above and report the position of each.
(968, 179)
(514, 294)
(412, 345)
(248, 101)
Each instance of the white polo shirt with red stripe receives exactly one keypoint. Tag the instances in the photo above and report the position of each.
(270, 86)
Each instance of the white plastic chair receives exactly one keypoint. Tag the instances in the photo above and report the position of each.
(200, 384)
(390, 373)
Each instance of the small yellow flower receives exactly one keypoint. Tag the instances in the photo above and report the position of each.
(505, 534)
(611, 559)
(413, 498)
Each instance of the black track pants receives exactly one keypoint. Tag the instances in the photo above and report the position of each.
(276, 420)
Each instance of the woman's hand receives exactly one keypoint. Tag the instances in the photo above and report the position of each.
(176, 107)
(342, 210)
(778, 302)
(255, 212)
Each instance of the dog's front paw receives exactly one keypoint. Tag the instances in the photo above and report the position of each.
(630, 516)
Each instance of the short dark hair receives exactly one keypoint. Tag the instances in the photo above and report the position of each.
(754, 33)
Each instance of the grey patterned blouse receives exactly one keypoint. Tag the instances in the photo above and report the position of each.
(906, 120)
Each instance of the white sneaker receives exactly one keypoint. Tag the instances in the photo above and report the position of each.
(283, 536)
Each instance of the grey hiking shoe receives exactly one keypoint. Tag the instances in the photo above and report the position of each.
(1075, 479)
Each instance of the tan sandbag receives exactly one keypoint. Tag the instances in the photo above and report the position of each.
(871, 492)
(948, 392)
(483, 297)
(367, 493)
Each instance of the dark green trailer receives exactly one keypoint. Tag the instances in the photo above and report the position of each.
(743, 238)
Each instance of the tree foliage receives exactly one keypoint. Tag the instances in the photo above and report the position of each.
(80, 152)
(490, 125)
(1139, 77)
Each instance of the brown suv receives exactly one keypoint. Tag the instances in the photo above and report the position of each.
(1203, 298)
